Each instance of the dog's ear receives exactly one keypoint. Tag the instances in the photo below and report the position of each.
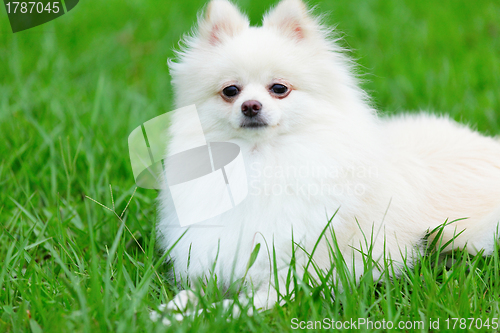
(292, 18)
(222, 19)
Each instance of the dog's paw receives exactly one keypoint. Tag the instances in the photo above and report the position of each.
(183, 300)
(180, 307)
(186, 304)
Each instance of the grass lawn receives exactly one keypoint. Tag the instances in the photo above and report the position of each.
(73, 89)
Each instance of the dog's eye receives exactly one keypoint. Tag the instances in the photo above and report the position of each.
(279, 89)
(231, 91)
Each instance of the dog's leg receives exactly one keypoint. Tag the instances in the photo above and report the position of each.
(483, 235)
(475, 236)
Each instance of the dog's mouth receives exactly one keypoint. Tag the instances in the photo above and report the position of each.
(253, 123)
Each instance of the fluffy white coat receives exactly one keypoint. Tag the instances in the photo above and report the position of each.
(323, 149)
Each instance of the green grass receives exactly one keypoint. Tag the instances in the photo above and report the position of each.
(73, 89)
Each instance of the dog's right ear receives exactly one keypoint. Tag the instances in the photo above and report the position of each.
(222, 19)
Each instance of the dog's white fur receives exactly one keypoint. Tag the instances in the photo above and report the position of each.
(392, 178)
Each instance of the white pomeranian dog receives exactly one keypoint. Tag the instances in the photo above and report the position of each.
(314, 149)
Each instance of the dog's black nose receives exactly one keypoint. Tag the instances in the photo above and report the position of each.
(251, 108)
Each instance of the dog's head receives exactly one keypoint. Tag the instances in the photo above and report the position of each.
(247, 81)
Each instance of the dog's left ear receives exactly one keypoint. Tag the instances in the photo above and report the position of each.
(292, 18)
(222, 19)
